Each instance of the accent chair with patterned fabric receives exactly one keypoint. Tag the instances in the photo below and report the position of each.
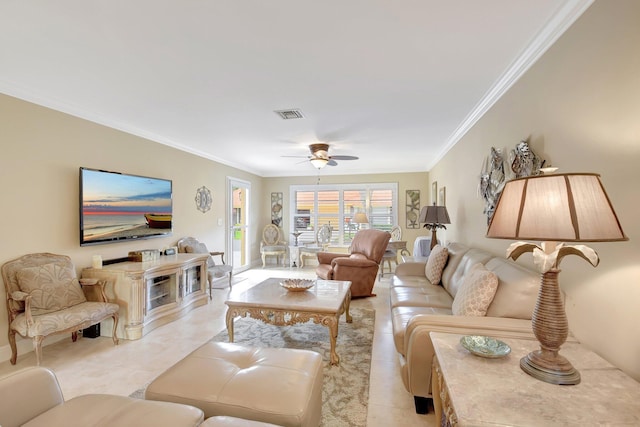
(191, 245)
(44, 297)
(360, 266)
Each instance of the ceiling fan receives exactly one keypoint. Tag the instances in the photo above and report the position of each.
(320, 157)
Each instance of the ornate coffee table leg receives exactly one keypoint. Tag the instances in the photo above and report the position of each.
(230, 317)
(332, 324)
(347, 304)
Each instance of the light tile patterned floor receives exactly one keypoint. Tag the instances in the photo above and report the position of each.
(97, 366)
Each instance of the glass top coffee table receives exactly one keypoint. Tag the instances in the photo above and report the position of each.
(271, 303)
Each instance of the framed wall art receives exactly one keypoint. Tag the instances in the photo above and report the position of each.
(276, 209)
(442, 197)
(413, 208)
(434, 192)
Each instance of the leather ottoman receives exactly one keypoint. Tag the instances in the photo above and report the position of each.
(274, 385)
(222, 421)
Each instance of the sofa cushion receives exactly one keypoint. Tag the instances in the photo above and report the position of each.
(427, 296)
(470, 258)
(435, 264)
(52, 287)
(517, 289)
(475, 293)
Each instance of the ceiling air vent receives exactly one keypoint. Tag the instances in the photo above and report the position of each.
(290, 114)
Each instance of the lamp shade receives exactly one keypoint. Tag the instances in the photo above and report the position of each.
(361, 218)
(319, 163)
(434, 215)
(564, 207)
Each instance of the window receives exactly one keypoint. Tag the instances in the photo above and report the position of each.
(336, 205)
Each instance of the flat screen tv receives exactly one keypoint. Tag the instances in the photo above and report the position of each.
(116, 207)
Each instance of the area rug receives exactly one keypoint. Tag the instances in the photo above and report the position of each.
(345, 392)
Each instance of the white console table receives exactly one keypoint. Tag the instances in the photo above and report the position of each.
(473, 391)
(151, 294)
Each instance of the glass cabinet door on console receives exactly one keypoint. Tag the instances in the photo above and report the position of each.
(192, 280)
(161, 290)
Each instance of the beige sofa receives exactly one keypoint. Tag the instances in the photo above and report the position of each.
(32, 397)
(419, 307)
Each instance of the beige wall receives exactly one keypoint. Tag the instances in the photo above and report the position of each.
(579, 106)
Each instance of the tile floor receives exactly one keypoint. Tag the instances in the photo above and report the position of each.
(97, 366)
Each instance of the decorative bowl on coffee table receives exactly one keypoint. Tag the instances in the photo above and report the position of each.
(297, 285)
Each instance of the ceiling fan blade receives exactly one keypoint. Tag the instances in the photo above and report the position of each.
(344, 157)
(332, 163)
(298, 157)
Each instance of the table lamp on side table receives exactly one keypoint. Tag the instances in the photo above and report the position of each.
(551, 209)
(434, 217)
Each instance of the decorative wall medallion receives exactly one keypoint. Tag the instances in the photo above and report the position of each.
(203, 199)
(413, 208)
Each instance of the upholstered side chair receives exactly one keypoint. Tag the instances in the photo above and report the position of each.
(323, 238)
(360, 266)
(272, 244)
(44, 297)
(391, 254)
(214, 271)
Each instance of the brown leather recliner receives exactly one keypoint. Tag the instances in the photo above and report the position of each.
(360, 266)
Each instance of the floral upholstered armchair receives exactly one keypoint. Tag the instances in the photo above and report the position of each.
(44, 297)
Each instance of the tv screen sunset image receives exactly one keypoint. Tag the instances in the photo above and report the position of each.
(117, 206)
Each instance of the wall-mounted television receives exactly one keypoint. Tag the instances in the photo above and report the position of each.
(116, 207)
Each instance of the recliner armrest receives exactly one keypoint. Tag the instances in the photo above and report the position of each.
(353, 262)
(328, 257)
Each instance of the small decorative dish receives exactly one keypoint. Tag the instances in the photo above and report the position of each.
(485, 346)
(297, 285)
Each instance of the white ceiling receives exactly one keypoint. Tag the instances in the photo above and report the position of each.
(396, 83)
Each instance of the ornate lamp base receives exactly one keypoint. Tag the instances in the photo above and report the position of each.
(550, 367)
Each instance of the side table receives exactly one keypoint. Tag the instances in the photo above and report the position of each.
(473, 391)
(294, 256)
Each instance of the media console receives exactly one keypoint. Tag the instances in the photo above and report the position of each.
(154, 293)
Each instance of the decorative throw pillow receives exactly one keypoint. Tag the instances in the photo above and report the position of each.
(52, 287)
(435, 264)
(476, 292)
(200, 248)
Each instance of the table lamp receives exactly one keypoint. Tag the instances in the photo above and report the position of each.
(360, 218)
(552, 209)
(434, 217)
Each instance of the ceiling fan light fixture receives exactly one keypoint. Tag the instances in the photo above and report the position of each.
(319, 163)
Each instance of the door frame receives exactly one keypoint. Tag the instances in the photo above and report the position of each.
(246, 185)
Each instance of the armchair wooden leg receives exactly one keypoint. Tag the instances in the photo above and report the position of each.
(114, 335)
(14, 348)
(37, 347)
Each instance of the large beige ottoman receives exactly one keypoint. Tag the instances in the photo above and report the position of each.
(222, 421)
(273, 385)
